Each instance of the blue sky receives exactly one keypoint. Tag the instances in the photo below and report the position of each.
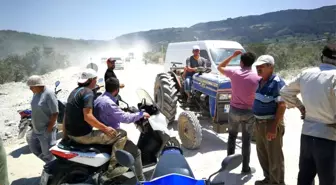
(106, 19)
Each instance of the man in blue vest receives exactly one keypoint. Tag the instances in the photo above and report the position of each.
(269, 109)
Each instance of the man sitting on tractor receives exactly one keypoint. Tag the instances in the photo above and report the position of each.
(191, 66)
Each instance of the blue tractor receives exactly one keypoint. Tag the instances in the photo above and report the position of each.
(210, 94)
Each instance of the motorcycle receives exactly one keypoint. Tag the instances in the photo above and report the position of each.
(25, 125)
(172, 168)
(76, 163)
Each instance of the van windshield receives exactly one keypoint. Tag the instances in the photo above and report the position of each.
(220, 54)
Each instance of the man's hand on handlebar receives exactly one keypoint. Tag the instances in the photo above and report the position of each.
(146, 115)
(110, 131)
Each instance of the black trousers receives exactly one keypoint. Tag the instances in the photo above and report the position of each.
(317, 156)
(246, 119)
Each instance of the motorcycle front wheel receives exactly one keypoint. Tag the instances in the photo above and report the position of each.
(75, 175)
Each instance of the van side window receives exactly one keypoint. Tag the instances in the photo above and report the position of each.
(204, 54)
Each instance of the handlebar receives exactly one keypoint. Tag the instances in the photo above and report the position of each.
(58, 91)
(203, 70)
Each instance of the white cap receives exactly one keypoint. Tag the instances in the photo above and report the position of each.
(264, 59)
(35, 80)
(86, 75)
(196, 47)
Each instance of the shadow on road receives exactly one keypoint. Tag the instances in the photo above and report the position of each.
(20, 151)
(24, 150)
(232, 178)
(210, 142)
(27, 181)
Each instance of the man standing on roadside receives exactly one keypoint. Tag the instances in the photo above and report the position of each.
(241, 103)
(110, 73)
(269, 109)
(3, 165)
(318, 138)
(44, 107)
(110, 70)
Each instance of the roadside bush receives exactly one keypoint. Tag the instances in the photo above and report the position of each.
(37, 61)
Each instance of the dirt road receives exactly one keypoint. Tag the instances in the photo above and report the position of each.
(25, 168)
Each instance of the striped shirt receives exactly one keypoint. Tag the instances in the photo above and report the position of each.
(267, 98)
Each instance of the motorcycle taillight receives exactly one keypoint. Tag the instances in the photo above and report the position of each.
(25, 114)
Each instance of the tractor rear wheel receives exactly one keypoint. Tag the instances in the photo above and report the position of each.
(165, 95)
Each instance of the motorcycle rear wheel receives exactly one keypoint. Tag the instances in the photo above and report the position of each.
(76, 175)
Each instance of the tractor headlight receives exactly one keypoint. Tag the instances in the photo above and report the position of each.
(224, 96)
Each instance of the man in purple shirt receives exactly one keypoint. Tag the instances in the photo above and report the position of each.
(108, 112)
(244, 83)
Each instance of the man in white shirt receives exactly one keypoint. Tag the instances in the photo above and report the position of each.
(318, 108)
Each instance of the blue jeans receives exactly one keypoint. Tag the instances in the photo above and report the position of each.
(39, 144)
(187, 84)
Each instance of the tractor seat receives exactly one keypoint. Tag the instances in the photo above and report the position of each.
(68, 144)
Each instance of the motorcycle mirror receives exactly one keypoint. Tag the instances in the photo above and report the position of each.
(57, 83)
(124, 158)
(229, 163)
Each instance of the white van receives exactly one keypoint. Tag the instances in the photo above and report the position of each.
(213, 50)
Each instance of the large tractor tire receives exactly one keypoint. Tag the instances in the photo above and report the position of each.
(165, 95)
(189, 130)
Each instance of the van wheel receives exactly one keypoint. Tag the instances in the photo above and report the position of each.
(92, 66)
(189, 130)
(165, 95)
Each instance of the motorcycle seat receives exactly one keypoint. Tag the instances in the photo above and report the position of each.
(172, 163)
(78, 147)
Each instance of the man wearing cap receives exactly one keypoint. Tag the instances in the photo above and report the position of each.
(109, 113)
(44, 107)
(318, 111)
(110, 73)
(268, 109)
(79, 120)
(191, 66)
(110, 70)
(241, 102)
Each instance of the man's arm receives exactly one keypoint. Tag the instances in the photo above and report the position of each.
(53, 106)
(290, 91)
(281, 105)
(114, 111)
(221, 67)
(65, 134)
(281, 108)
(91, 120)
(89, 117)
